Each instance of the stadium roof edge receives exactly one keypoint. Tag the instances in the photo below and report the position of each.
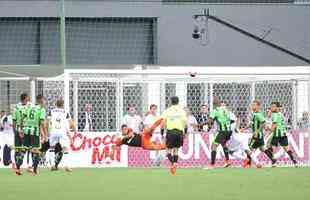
(30, 71)
(209, 70)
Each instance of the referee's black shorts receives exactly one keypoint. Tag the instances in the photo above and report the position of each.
(174, 138)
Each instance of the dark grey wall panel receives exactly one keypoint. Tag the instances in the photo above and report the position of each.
(50, 42)
(29, 41)
(30, 8)
(18, 41)
(110, 41)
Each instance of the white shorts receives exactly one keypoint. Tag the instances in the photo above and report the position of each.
(60, 138)
(239, 142)
(7, 138)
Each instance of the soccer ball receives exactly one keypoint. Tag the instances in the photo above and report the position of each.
(192, 74)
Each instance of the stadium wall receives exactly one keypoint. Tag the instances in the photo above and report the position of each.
(171, 32)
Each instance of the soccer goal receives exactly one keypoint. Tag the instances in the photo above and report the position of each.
(110, 92)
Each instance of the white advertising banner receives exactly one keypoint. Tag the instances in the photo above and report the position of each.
(88, 149)
(97, 149)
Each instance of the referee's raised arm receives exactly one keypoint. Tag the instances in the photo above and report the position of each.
(175, 122)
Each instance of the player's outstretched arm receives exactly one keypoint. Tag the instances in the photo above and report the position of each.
(153, 127)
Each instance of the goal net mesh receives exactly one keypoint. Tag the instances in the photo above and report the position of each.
(110, 95)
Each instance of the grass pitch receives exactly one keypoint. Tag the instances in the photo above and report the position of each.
(158, 184)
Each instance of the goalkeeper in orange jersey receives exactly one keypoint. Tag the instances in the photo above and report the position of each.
(143, 139)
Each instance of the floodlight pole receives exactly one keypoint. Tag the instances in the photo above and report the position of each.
(62, 32)
(253, 36)
(66, 97)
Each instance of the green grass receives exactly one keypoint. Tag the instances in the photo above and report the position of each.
(158, 184)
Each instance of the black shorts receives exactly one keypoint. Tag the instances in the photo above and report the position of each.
(283, 141)
(18, 141)
(174, 138)
(256, 143)
(222, 137)
(31, 141)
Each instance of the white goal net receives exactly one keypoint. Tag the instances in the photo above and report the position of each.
(110, 92)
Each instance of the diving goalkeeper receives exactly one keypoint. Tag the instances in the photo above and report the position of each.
(143, 139)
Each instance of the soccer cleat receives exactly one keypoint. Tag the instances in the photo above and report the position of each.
(259, 166)
(18, 172)
(173, 170)
(67, 169)
(227, 164)
(246, 163)
(273, 164)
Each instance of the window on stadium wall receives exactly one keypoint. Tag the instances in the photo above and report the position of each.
(111, 40)
(26, 41)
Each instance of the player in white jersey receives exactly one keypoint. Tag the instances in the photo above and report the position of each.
(7, 139)
(239, 143)
(59, 138)
(133, 120)
(6, 124)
